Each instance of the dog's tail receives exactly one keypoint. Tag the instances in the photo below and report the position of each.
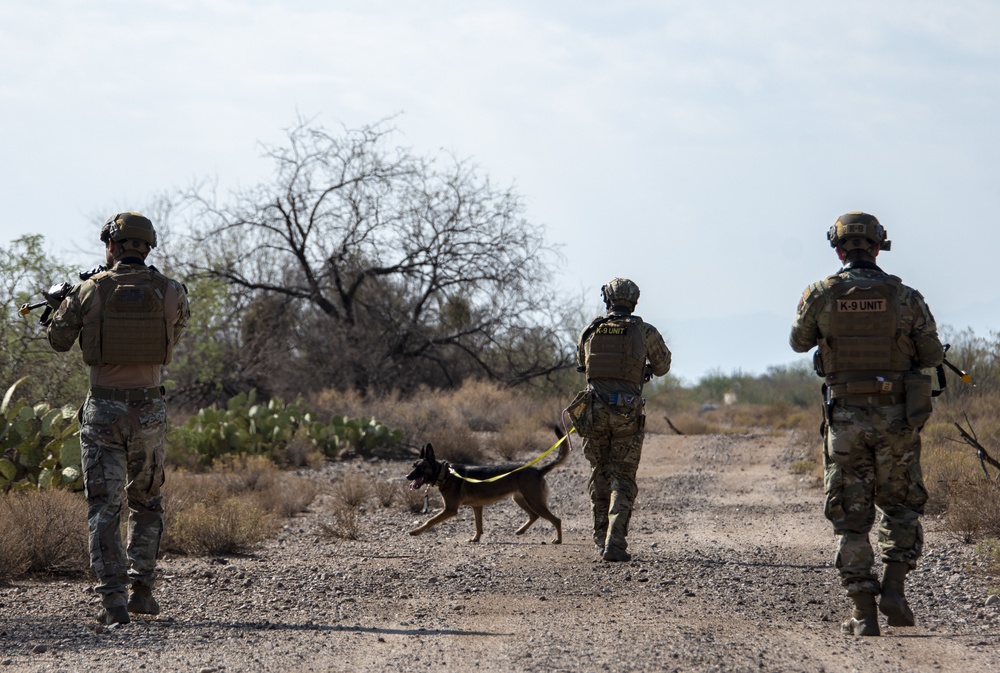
(563, 452)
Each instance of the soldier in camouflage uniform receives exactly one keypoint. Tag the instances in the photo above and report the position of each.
(873, 336)
(127, 319)
(610, 416)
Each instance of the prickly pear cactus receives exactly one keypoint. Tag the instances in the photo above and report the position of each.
(248, 427)
(39, 444)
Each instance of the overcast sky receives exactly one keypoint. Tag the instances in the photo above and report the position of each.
(700, 148)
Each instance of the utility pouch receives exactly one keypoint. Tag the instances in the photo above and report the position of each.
(581, 413)
(917, 388)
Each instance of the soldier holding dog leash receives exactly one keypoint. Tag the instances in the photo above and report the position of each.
(619, 352)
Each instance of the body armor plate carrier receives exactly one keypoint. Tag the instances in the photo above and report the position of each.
(133, 328)
(615, 349)
(864, 331)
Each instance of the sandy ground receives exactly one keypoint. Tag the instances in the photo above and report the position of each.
(731, 572)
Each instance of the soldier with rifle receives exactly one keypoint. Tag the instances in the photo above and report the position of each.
(127, 319)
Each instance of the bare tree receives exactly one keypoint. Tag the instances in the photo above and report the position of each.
(407, 272)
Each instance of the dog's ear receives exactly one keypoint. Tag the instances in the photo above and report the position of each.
(423, 452)
(429, 453)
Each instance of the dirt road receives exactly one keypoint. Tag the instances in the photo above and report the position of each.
(731, 572)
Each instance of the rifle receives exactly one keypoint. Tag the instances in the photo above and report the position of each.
(942, 381)
(54, 296)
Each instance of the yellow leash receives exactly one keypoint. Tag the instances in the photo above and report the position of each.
(552, 448)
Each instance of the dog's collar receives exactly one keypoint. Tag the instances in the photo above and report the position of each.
(442, 473)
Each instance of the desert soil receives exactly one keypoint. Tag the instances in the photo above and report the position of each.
(732, 571)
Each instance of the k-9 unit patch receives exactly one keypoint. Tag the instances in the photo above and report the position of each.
(612, 329)
(861, 305)
(131, 294)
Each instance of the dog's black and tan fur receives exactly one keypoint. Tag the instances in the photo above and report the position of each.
(526, 487)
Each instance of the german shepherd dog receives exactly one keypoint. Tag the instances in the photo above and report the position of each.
(526, 487)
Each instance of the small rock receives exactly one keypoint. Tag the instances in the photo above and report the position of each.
(993, 600)
(207, 669)
(39, 649)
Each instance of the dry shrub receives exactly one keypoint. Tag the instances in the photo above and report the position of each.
(446, 417)
(420, 500)
(192, 500)
(287, 496)
(989, 550)
(246, 473)
(344, 522)
(43, 532)
(232, 526)
(386, 491)
(805, 420)
(803, 467)
(299, 453)
(515, 440)
(974, 510)
(456, 444)
(486, 407)
(353, 489)
(694, 423)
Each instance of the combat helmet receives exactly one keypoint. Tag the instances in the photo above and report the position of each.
(620, 292)
(858, 230)
(129, 226)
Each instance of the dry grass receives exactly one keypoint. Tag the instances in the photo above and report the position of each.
(344, 522)
(43, 532)
(386, 491)
(688, 422)
(449, 419)
(516, 441)
(353, 489)
(232, 526)
(201, 510)
(989, 551)
(974, 511)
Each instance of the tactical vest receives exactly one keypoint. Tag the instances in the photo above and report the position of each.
(133, 328)
(864, 338)
(615, 350)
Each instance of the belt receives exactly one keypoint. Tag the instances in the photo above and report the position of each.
(622, 400)
(869, 400)
(128, 395)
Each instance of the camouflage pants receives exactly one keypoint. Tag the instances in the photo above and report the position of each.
(123, 448)
(872, 459)
(614, 461)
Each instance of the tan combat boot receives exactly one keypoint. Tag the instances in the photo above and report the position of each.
(142, 602)
(864, 619)
(893, 602)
